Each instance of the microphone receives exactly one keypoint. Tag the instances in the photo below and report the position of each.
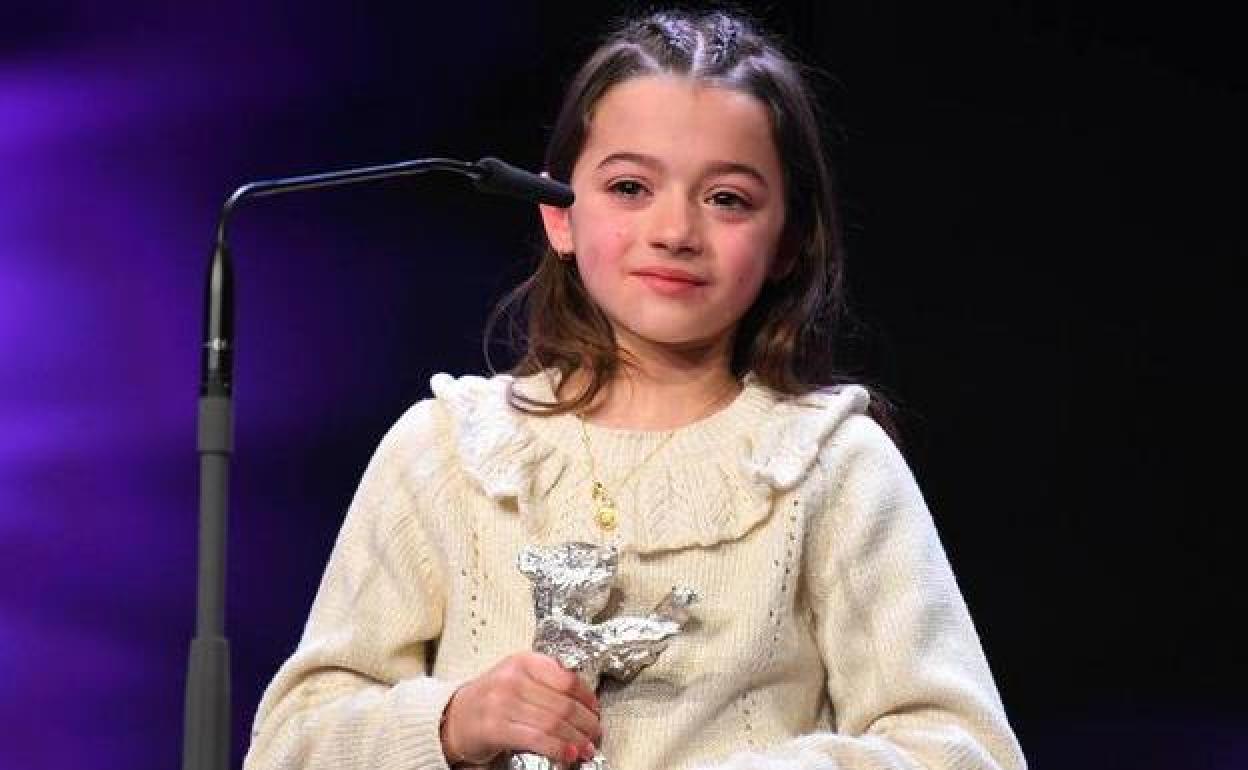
(206, 738)
(505, 179)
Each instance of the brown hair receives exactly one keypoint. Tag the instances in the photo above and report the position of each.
(787, 336)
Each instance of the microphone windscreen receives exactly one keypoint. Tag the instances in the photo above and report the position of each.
(504, 179)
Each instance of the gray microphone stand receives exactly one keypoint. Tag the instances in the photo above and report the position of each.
(206, 737)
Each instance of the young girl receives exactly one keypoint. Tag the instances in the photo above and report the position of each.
(668, 403)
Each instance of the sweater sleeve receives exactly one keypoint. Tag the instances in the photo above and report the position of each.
(907, 678)
(356, 692)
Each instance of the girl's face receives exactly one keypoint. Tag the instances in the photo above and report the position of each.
(679, 210)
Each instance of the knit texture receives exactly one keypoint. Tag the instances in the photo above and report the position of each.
(830, 633)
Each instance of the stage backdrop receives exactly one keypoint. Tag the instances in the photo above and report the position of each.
(1039, 204)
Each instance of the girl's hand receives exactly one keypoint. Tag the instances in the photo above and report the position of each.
(528, 702)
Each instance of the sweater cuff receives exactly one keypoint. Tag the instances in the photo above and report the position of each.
(420, 703)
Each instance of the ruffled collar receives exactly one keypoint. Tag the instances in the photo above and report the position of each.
(738, 459)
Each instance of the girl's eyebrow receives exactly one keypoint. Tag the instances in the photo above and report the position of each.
(712, 169)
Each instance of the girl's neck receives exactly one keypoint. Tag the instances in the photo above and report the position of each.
(650, 393)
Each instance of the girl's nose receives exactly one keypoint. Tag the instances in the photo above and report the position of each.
(675, 226)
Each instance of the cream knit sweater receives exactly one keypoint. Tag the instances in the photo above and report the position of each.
(830, 633)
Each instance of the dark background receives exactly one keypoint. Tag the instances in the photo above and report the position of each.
(1043, 204)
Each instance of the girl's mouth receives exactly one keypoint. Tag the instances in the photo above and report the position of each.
(670, 281)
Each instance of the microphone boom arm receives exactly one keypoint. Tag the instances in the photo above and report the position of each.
(206, 738)
(267, 187)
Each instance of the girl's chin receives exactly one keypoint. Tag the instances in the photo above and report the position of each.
(676, 338)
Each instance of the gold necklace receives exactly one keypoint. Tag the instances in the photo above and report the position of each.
(606, 512)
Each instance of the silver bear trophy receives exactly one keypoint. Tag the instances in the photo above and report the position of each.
(571, 586)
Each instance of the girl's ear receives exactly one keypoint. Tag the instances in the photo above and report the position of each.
(558, 230)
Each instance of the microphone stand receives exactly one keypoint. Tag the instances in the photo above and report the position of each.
(206, 737)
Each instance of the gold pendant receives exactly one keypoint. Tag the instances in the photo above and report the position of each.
(606, 517)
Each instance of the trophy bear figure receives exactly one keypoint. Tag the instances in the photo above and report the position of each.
(571, 586)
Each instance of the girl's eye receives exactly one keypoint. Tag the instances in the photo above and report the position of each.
(628, 188)
(726, 199)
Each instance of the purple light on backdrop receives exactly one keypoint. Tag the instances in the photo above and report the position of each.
(96, 480)
(120, 138)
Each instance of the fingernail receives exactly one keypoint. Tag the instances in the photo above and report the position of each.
(587, 751)
(571, 753)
